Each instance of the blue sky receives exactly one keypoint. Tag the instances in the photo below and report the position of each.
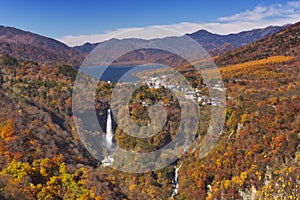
(75, 22)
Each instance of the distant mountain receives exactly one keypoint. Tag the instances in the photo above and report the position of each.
(215, 44)
(86, 47)
(25, 45)
(146, 51)
(285, 42)
(256, 156)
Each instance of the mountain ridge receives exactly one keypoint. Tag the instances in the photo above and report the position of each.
(201, 36)
(256, 157)
(284, 42)
(25, 45)
(28, 46)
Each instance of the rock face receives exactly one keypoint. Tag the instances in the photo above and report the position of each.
(249, 194)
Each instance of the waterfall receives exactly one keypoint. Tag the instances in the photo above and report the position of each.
(108, 160)
(109, 131)
(175, 181)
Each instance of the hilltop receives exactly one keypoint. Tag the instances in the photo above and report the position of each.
(24, 45)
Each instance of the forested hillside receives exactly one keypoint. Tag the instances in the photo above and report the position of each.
(256, 157)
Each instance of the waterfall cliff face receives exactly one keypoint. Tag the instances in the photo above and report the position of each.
(175, 180)
(109, 130)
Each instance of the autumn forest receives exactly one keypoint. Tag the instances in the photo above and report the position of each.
(257, 155)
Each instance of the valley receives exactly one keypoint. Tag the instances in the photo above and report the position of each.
(257, 154)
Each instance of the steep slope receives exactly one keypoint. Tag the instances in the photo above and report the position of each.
(41, 156)
(216, 44)
(258, 153)
(286, 42)
(40, 152)
(25, 45)
(256, 157)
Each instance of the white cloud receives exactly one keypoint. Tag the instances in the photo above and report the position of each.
(260, 13)
(249, 15)
(259, 17)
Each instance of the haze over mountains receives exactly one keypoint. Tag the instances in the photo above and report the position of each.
(25, 45)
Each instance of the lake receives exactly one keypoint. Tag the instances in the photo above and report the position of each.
(117, 73)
